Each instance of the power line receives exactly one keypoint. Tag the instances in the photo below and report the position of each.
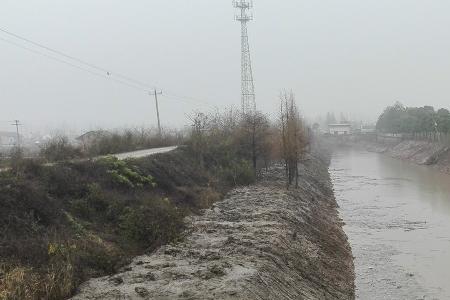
(70, 64)
(71, 57)
(105, 73)
(190, 99)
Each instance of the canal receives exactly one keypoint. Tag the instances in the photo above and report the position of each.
(397, 217)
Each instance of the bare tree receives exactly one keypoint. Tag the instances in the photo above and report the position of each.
(255, 129)
(200, 124)
(293, 136)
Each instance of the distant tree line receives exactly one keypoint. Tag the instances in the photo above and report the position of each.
(245, 143)
(401, 119)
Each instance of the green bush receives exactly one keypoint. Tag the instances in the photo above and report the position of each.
(150, 225)
(70, 221)
(125, 175)
(59, 149)
(238, 173)
(93, 204)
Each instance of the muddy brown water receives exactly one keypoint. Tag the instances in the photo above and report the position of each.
(397, 217)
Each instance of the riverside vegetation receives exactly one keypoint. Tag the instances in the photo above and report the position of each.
(260, 242)
(414, 121)
(63, 223)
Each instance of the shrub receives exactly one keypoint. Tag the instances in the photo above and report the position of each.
(59, 149)
(53, 283)
(63, 223)
(95, 203)
(238, 173)
(207, 197)
(65, 181)
(125, 175)
(150, 225)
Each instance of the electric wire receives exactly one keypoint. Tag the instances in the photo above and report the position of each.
(70, 64)
(71, 57)
(137, 84)
(108, 72)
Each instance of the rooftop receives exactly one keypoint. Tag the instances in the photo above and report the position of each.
(340, 125)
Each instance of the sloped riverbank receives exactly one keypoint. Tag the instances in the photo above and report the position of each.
(260, 242)
(427, 153)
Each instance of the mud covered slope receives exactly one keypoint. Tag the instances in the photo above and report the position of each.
(261, 242)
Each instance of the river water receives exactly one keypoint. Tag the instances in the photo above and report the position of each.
(397, 217)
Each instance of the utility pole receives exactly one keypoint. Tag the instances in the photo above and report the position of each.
(247, 84)
(156, 93)
(17, 124)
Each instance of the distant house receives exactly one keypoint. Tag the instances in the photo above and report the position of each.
(89, 137)
(365, 129)
(8, 139)
(339, 129)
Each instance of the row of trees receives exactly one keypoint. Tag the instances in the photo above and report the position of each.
(251, 139)
(245, 143)
(294, 137)
(401, 119)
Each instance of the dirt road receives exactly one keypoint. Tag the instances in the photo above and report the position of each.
(261, 242)
(144, 153)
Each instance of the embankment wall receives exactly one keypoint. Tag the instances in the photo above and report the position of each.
(261, 242)
(422, 152)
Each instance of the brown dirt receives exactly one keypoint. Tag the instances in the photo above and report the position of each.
(261, 242)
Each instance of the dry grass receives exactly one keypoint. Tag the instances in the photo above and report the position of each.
(21, 283)
(208, 197)
(63, 224)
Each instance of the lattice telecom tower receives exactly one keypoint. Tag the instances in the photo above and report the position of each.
(247, 84)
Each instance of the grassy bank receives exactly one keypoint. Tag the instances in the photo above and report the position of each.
(66, 222)
(63, 224)
(261, 242)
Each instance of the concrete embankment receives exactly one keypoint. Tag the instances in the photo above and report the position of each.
(427, 153)
(260, 242)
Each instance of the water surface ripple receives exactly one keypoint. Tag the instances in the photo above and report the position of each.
(397, 217)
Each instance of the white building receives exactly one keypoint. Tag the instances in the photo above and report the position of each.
(365, 129)
(339, 129)
(8, 139)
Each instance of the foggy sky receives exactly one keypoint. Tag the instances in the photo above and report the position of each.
(351, 56)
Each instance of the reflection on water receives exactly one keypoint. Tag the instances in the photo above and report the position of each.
(397, 217)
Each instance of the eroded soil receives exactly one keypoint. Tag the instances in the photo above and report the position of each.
(261, 242)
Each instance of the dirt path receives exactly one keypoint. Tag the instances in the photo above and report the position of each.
(144, 153)
(261, 242)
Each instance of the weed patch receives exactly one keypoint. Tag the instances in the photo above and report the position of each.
(63, 224)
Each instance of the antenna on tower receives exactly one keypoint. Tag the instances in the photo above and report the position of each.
(247, 85)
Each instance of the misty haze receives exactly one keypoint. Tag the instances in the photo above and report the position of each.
(224, 149)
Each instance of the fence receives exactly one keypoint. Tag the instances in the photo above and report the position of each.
(435, 137)
(393, 138)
